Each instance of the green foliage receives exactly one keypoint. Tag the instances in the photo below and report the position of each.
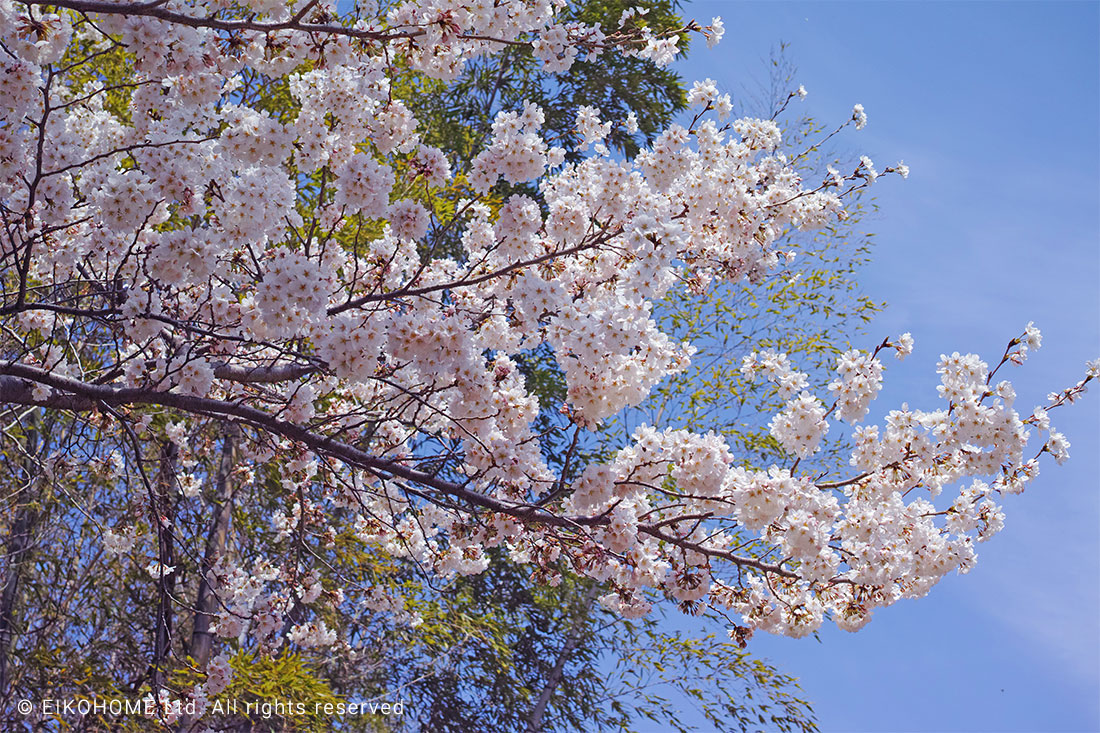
(489, 644)
(733, 690)
(820, 286)
(93, 67)
(461, 113)
(288, 678)
(811, 308)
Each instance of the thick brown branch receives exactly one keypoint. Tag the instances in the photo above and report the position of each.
(74, 392)
(159, 11)
(264, 374)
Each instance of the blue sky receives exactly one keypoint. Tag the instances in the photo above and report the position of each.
(996, 109)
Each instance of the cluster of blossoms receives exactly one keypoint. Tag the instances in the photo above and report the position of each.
(859, 381)
(517, 153)
(777, 368)
(277, 272)
(801, 425)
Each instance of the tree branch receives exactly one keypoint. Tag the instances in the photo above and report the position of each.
(17, 382)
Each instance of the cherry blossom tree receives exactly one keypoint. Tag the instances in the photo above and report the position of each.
(245, 255)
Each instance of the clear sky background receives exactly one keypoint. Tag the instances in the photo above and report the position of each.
(996, 109)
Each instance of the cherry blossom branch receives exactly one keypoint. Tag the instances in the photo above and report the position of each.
(17, 384)
(157, 10)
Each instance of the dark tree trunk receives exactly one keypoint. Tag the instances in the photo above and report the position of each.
(18, 552)
(534, 721)
(206, 602)
(165, 514)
